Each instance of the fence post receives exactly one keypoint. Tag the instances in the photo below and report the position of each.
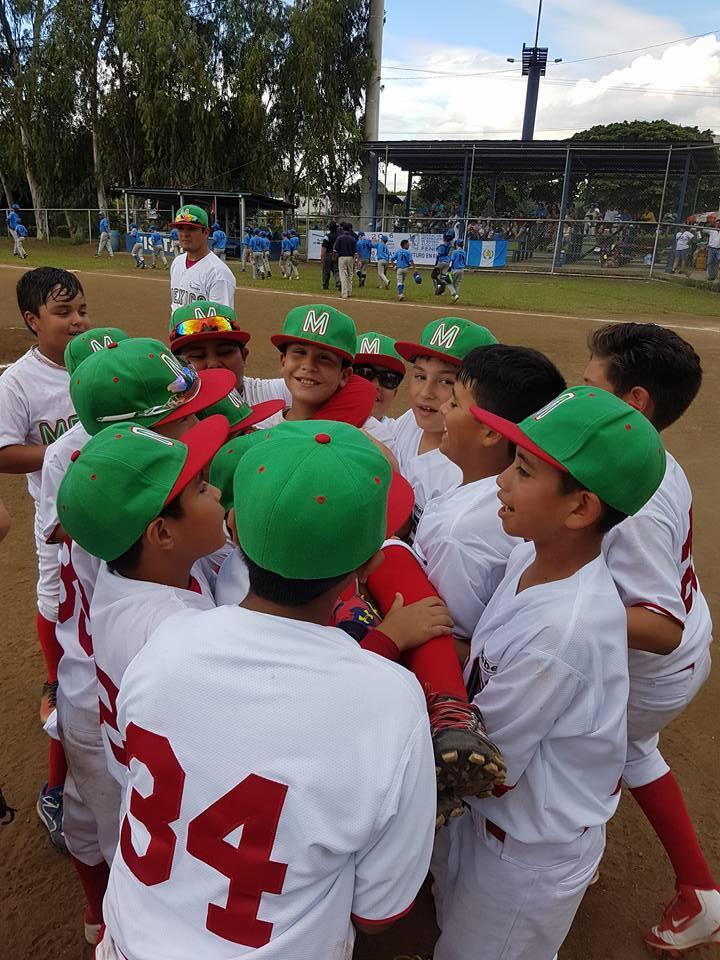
(680, 211)
(89, 227)
(563, 210)
(660, 213)
(472, 171)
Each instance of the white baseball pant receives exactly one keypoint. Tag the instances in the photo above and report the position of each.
(258, 264)
(381, 267)
(345, 269)
(652, 705)
(48, 582)
(104, 243)
(508, 900)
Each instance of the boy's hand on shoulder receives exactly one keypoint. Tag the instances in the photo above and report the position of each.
(412, 625)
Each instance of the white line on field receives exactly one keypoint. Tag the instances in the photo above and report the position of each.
(384, 303)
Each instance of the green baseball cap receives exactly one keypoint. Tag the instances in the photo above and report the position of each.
(311, 502)
(191, 216)
(449, 338)
(378, 350)
(81, 346)
(607, 445)
(123, 477)
(204, 320)
(321, 325)
(139, 379)
(225, 462)
(239, 414)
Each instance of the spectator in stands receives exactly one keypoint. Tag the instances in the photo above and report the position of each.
(684, 240)
(473, 230)
(713, 250)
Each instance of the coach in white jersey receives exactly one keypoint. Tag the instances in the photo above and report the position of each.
(548, 671)
(196, 274)
(669, 627)
(460, 536)
(261, 819)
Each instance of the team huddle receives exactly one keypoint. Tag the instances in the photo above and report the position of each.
(302, 653)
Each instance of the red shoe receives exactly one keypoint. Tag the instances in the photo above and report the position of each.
(691, 919)
(467, 762)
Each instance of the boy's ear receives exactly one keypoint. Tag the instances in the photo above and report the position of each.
(232, 526)
(158, 535)
(31, 321)
(586, 511)
(345, 375)
(640, 398)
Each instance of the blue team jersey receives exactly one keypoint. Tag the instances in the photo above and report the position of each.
(286, 245)
(104, 225)
(135, 234)
(294, 243)
(265, 244)
(363, 248)
(21, 229)
(256, 244)
(402, 258)
(382, 250)
(247, 240)
(219, 239)
(174, 235)
(442, 254)
(156, 239)
(457, 260)
(13, 220)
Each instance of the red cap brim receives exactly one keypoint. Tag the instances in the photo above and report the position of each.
(281, 340)
(203, 441)
(381, 360)
(512, 432)
(260, 412)
(409, 351)
(188, 223)
(401, 501)
(214, 386)
(240, 336)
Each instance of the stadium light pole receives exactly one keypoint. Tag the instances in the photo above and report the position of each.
(368, 186)
(534, 63)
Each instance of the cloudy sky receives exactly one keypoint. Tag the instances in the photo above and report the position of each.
(623, 67)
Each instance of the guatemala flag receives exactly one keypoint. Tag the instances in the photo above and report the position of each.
(487, 253)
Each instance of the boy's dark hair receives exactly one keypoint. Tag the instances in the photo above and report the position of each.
(609, 516)
(650, 356)
(404, 243)
(287, 593)
(127, 563)
(345, 362)
(511, 382)
(35, 287)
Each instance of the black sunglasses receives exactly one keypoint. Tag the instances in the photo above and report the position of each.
(388, 379)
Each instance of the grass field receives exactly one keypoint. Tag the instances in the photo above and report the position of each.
(579, 296)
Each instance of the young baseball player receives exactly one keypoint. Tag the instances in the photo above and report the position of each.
(137, 380)
(195, 275)
(669, 628)
(548, 671)
(175, 248)
(364, 252)
(13, 218)
(382, 254)
(417, 434)
(104, 230)
(403, 260)
(35, 409)
(442, 263)
(257, 253)
(460, 537)
(137, 247)
(157, 242)
(219, 239)
(367, 823)
(245, 253)
(457, 269)
(377, 361)
(287, 263)
(265, 238)
(295, 243)
(22, 232)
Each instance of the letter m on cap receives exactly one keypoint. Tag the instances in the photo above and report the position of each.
(316, 323)
(370, 346)
(444, 336)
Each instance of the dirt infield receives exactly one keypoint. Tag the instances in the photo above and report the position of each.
(40, 906)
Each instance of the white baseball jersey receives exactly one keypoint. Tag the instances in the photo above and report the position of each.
(207, 279)
(35, 405)
(382, 430)
(76, 671)
(56, 462)
(259, 816)
(124, 614)
(651, 560)
(460, 538)
(233, 581)
(256, 390)
(430, 474)
(551, 663)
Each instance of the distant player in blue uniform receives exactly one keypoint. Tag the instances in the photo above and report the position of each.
(364, 250)
(219, 238)
(287, 263)
(382, 253)
(175, 247)
(457, 269)
(104, 228)
(13, 219)
(246, 252)
(137, 248)
(442, 263)
(157, 242)
(258, 260)
(265, 237)
(403, 260)
(21, 231)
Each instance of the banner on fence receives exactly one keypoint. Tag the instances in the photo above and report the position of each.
(422, 245)
(487, 253)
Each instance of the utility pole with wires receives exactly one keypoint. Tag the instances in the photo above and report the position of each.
(368, 184)
(534, 63)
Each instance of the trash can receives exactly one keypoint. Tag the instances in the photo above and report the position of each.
(115, 240)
